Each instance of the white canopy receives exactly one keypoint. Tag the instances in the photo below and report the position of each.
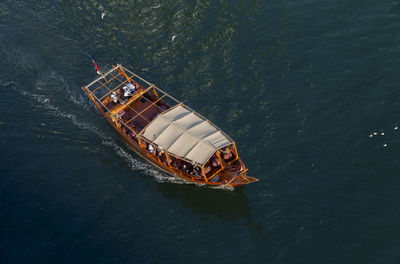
(184, 133)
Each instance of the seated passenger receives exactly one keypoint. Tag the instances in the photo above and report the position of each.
(215, 161)
(114, 97)
(207, 168)
(163, 157)
(150, 148)
(197, 171)
(129, 89)
(185, 169)
(133, 137)
(176, 164)
(227, 154)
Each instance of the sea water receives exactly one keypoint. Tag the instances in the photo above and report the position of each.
(309, 90)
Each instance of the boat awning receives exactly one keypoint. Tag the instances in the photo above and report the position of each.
(185, 133)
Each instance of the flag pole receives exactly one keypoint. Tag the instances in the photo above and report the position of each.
(98, 70)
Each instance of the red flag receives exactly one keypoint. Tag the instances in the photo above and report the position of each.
(97, 68)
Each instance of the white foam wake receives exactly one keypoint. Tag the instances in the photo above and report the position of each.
(134, 164)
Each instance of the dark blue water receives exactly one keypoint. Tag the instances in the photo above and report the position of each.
(302, 86)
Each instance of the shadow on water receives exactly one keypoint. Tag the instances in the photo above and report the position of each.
(224, 204)
(207, 201)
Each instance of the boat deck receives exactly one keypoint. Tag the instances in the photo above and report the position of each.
(140, 112)
(135, 113)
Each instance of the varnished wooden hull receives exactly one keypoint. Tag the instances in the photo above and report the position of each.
(237, 181)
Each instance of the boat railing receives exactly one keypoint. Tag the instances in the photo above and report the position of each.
(103, 87)
(113, 80)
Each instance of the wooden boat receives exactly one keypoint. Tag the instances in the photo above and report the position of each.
(166, 132)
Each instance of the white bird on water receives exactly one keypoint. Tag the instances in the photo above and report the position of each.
(103, 15)
(173, 37)
(385, 145)
(382, 134)
(396, 127)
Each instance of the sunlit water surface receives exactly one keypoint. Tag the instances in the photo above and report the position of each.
(309, 90)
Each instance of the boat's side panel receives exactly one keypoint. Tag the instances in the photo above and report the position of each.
(243, 179)
(144, 154)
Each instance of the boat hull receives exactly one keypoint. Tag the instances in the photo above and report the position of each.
(165, 132)
(238, 181)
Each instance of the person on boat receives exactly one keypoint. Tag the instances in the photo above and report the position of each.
(176, 164)
(150, 149)
(197, 171)
(163, 157)
(215, 161)
(207, 168)
(133, 137)
(114, 97)
(191, 169)
(185, 168)
(227, 153)
(124, 128)
(131, 85)
(129, 89)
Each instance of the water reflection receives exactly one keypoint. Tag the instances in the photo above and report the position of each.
(206, 201)
(223, 204)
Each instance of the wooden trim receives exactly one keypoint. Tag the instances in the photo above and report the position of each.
(113, 90)
(125, 105)
(215, 173)
(234, 177)
(135, 110)
(234, 146)
(102, 77)
(140, 142)
(230, 162)
(204, 173)
(243, 171)
(103, 84)
(117, 74)
(162, 166)
(170, 96)
(145, 109)
(94, 98)
(155, 92)
(220, 160)
(137, 76)
(151, 101)
(168, 161)
(122, 72)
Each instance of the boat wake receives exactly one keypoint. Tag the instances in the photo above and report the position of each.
(134, 164)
